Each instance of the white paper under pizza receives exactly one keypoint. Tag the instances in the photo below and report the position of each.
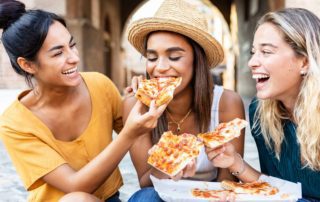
(180, 191)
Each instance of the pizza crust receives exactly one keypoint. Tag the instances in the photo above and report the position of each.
(223, 133)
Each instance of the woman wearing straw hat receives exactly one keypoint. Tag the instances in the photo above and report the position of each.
(176, 43)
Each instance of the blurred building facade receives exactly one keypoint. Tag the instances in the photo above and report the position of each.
(99, 27)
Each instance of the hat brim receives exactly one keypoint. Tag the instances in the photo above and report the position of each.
(138, 31)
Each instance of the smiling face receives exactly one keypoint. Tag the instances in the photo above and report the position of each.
(170, 55)
(274, 65)
(57, 59)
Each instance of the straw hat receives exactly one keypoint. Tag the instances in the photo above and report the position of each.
(180, 17)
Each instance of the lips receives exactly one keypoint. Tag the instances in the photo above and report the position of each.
(70, 71)
(260, 77)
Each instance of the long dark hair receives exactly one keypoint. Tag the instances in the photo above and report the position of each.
(202, 86)
(24, 32)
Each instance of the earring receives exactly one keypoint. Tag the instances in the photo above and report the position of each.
(303, 73)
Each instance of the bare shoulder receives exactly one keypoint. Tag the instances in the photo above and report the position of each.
(231, 106)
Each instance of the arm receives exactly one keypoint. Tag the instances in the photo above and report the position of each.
(139, 151)
(226, 157)
(231, 107)
(92, 175)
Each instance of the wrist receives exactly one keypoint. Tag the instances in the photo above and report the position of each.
(127, 134)
(238, 167)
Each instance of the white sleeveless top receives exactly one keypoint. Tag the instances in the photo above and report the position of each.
(205, 170)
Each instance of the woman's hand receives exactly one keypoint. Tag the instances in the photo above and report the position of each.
(140, 120)
(188, 171)
(223, 156)
(134, 85)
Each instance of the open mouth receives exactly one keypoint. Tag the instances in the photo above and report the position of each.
(260, 78)
(70, 71)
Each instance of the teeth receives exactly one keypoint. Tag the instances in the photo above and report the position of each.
(259, 76)
(70, 71)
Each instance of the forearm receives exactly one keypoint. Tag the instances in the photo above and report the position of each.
(94, 174)
(145, 180)
(246, 173)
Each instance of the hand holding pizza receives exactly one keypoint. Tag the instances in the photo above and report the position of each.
(141, 121)
(134, 84)
(223, 156)
(188, 171)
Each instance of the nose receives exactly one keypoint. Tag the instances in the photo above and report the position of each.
(73, 56)
(253, 61)
(162, 65)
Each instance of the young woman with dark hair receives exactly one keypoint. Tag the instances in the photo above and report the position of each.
(59, 132)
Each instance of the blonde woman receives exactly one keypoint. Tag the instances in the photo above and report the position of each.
(285, 116)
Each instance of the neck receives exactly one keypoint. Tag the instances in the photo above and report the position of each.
(289, 99)
(53, 96)
(181, 103)
(289, 105)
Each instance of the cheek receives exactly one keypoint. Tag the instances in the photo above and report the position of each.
(187, 75)
(149, 68)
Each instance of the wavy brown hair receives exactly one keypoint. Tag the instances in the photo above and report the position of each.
(202, 89)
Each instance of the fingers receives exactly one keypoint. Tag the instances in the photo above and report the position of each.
(135, 82)
(154, 111)
(214, 153)
(190, 169)
(178, 176)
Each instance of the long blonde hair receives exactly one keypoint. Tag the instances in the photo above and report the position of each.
(301, 29)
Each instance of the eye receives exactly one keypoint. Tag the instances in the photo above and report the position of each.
(152, 59)
(73, 45)
(57, 54)
(175, 58)
(266, 52)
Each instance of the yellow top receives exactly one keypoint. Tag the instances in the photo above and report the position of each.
(35, 152)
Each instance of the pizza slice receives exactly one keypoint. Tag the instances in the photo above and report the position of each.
(256, 188)
(159, 89)
(223, 133)
(147, 91)
(210, 194)
(173, 152)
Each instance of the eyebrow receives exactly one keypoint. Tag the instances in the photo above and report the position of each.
(60, 46)
(173, 49)
(268, 44)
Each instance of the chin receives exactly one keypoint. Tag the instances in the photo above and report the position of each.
(263, 95)
(75, 81)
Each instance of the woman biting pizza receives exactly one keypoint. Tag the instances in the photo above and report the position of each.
(176, 43)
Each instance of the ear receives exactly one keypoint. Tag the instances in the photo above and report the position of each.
(305, 64)
(26, 65)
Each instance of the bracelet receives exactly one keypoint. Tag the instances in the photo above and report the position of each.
(243, 167)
